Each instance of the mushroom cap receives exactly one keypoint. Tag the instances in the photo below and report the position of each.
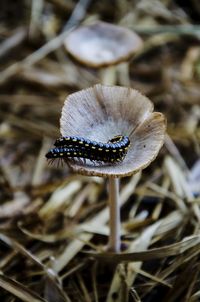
(102, 44)
(101, 112)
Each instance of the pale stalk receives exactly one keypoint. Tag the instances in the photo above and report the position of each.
(108, 75)
(114, 242)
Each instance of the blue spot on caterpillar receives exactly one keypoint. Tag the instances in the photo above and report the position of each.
(73, 146)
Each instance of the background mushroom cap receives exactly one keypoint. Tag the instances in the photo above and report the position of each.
(102, 44)
(101, 112)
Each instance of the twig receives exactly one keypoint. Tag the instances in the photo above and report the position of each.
(15, 40)
(193, 30)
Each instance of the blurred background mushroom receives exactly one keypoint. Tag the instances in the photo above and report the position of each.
(103, 45)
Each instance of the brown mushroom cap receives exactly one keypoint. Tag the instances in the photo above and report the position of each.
(101, 112)
(102, 44)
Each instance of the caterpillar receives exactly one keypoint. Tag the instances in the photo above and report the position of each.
(118, 143)
(72, 146)
(64, 153)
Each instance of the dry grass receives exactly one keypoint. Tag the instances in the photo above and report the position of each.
(53, 225)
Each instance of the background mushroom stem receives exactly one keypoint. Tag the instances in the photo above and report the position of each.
(108, 75)
(123, 74)
(114, 242)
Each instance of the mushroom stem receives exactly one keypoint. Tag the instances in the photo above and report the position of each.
(123, 71)
(114, 238)
(108, 75)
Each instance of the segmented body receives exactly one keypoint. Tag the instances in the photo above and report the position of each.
(118, 143)
(73, 146)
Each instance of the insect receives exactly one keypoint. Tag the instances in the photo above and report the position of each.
(74, 146)
(118, 143)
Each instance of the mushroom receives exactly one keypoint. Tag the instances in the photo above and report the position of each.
(102, 45)
(102, 112)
